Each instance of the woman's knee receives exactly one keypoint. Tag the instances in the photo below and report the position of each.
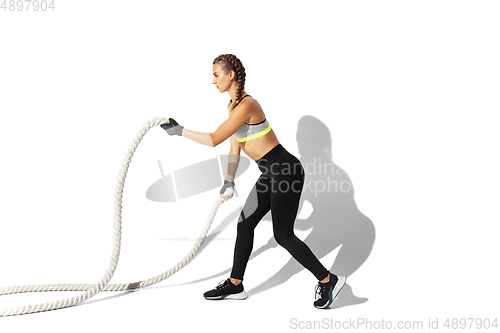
(245, 226)
(284, 238)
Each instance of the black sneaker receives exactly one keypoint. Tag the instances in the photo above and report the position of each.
(326, 292)
(226, 290)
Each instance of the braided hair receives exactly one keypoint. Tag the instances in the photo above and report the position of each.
(229, 62)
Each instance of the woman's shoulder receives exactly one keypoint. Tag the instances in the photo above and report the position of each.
(254, 111)
(250, 106)
(251, 103)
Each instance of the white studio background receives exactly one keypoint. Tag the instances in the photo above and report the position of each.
(408, 90)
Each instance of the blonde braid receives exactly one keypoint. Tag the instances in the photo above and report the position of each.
(230, 62)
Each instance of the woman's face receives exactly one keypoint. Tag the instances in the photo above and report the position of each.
(222, 81)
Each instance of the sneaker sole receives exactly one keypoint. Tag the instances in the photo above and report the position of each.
(334, 292)
(242, 295)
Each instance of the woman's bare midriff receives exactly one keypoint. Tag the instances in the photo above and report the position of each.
(257, 148)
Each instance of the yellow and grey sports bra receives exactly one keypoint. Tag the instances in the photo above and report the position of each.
(251, 131)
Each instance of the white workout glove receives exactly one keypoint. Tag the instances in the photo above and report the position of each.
(227, 190)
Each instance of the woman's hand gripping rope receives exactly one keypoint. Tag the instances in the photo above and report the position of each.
(172, 127)
(227, 190)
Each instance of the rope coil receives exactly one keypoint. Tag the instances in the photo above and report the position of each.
(91, 290)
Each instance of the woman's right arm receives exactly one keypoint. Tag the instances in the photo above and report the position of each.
(227, 190)
(234, 159)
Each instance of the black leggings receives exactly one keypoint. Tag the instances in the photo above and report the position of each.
(278, 189)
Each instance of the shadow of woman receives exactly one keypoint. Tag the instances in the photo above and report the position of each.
(335, 219)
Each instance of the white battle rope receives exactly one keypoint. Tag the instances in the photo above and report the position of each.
(91, 290)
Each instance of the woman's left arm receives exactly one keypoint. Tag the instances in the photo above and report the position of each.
(199, 137)
(223, 132)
